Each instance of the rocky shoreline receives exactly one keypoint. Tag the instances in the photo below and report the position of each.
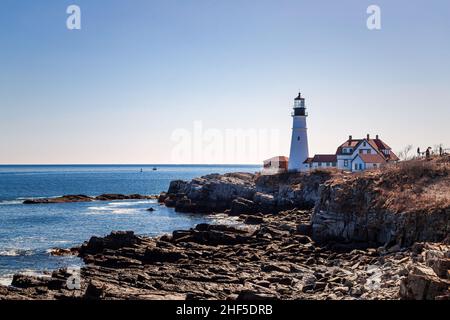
(325, 235)
(269, 260)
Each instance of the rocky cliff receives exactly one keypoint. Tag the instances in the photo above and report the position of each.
(237, 193)
(396, 206)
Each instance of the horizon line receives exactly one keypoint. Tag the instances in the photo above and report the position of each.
(130, 164)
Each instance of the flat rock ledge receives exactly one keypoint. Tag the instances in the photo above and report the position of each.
(271, 258)
(85, 198)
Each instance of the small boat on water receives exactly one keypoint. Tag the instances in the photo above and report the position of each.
(154, 169)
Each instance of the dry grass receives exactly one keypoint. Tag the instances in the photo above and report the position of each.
(416, 184)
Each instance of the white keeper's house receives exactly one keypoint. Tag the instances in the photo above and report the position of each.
(352, 155)
(355, 155)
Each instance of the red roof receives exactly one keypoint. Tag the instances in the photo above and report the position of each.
(324, 158)
(308, 160)
(377, 144)
(278, 158)
(348, 144)
(371, 158)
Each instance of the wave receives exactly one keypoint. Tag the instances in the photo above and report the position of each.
(119, 207)
(6, 280)
(105, 210)
(15, 252)
(10, 202)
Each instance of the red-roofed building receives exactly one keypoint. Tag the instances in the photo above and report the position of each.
(355, 155)
(321, 161)
(363, 154)
(276, 165)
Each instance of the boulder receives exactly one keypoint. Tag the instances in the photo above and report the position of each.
(114, 241)
(422, 283)
(242, 206)
(250, 219)
(177, 186)
(266, 202)
(153, 255)
(255, 295)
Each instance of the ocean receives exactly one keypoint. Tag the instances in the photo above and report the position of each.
(29, 232)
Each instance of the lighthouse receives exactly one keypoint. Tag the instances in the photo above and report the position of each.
(299, 141)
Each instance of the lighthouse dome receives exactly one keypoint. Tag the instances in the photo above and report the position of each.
(299, 97)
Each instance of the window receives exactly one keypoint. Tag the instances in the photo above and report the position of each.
(360, 166)
(345, 163)
(374, 165)
(361, 151)
(347, 150)
(328, 164)
(298, 138)
(319, 164)
(334, 164)
(369, 151)
(364, 144)
(356, 166)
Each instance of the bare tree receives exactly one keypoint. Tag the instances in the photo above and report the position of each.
(404, 154)
(437, 147)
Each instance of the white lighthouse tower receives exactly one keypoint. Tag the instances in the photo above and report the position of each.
(299, 142)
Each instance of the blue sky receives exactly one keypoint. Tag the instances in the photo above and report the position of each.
(116, 90)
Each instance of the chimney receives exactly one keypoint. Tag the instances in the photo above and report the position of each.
(350, 140)
(368, 136)
(377, 137)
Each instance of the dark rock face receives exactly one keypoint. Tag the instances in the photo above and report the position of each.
(114, 241)
(252, 219)
(242, 206)
(351, 211)
(84, 198)
(176, 186)
(244, 193)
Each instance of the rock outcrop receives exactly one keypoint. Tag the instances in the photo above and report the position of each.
(245, 193)
(429, 275)
(84, 198)
(399, 205)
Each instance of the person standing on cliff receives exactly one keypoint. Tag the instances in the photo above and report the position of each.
(427, 153)
(440, 151)
(418, 152)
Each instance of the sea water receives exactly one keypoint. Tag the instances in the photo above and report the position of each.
(29, 232)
